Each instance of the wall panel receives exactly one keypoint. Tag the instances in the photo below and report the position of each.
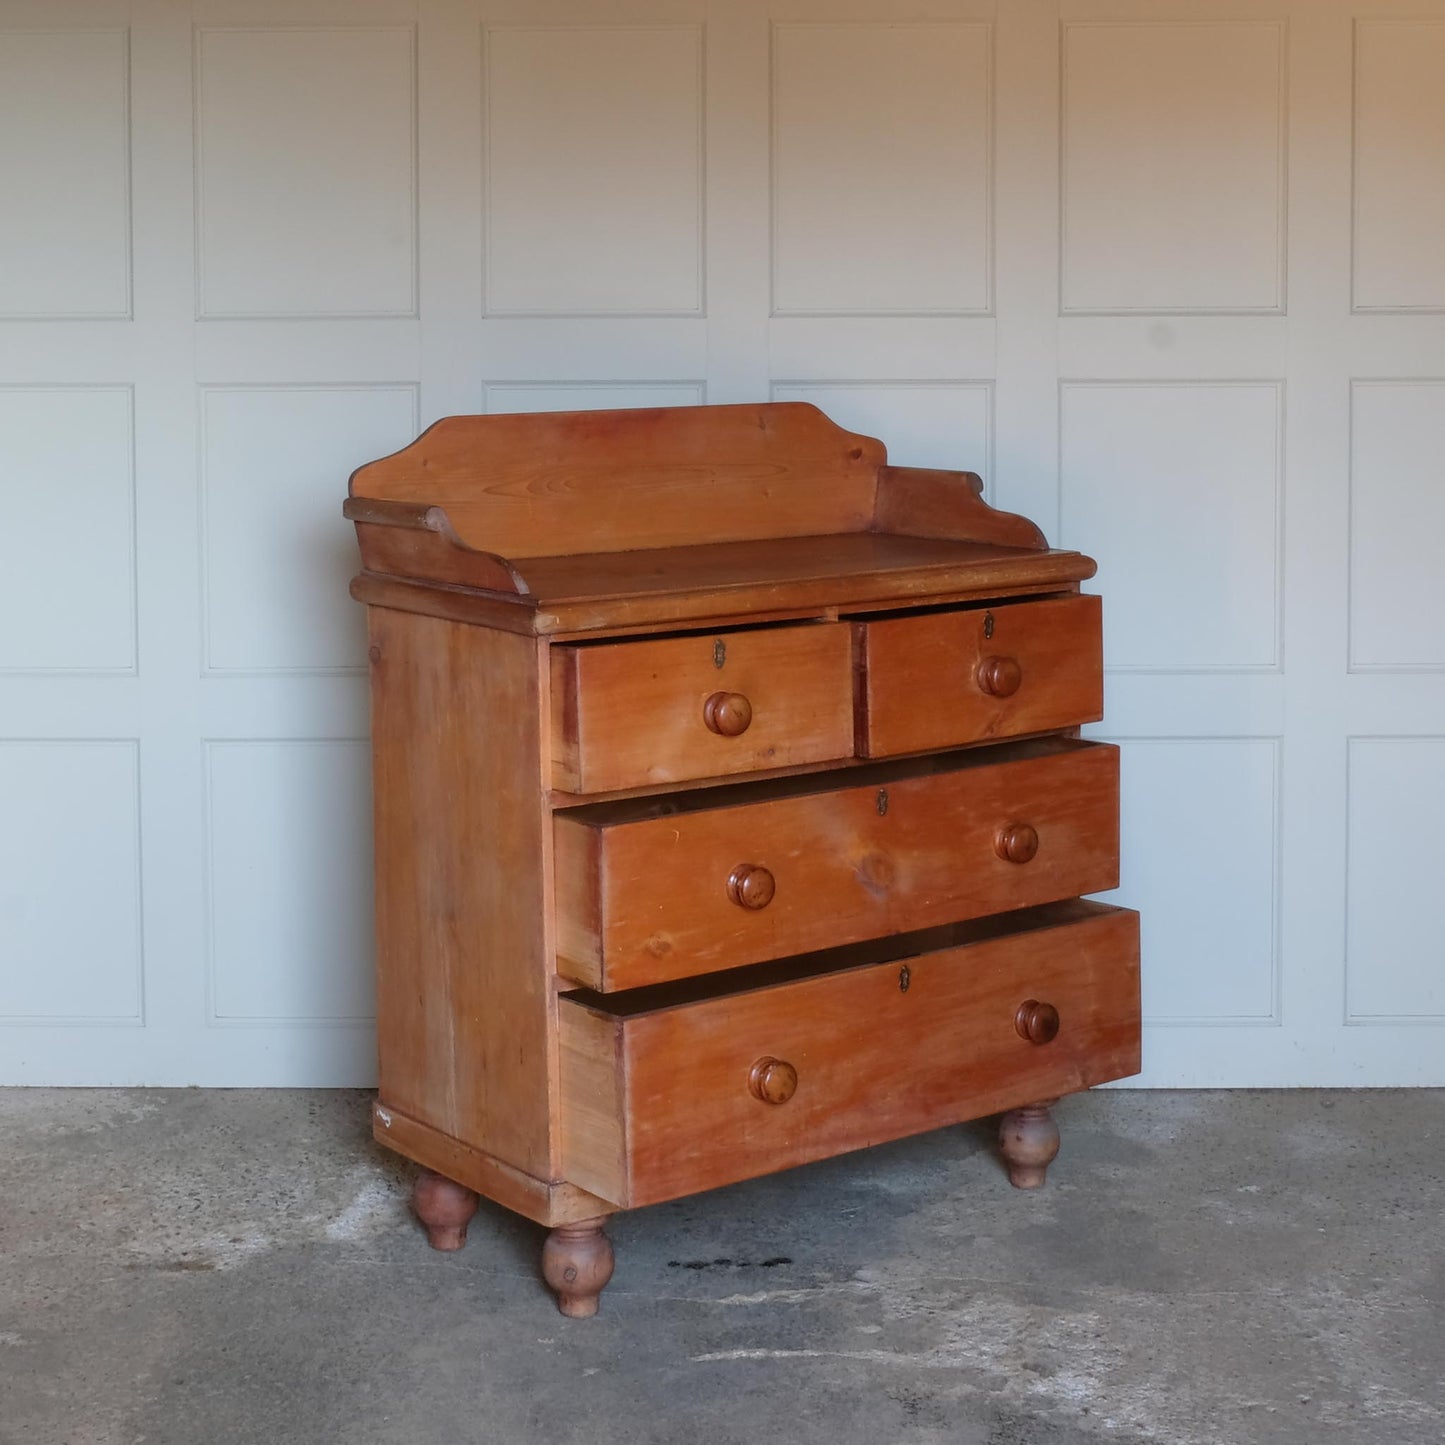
(594, 170)
(1399, 187)
(1177, 490)
(65, 173)
(289, 937)
(306, 172)
(1173, 167)
(881, 191)
(67, 586)
(70, 869)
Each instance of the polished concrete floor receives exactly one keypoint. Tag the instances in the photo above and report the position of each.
(240, 1268)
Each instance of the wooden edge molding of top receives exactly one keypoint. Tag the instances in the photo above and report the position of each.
(527, 508)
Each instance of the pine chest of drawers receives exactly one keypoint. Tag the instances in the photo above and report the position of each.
(730, 809)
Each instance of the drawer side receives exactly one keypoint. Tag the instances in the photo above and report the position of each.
(594, 1084)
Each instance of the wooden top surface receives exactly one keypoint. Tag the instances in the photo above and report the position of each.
(865, 559)
(844, 571)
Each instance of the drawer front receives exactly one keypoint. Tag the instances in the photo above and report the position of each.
(631, 714)
(952, 678)
(668, 896)
(660, 1104)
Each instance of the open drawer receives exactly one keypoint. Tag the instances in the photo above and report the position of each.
(944, 679)
(654, 889)
(634, 714)
(670, 1090)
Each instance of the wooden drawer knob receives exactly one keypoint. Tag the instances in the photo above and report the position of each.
(1017, 843)
(1000, 676)
(750, 885)
(727, 713)
(774, 1081)
(1037, 1022)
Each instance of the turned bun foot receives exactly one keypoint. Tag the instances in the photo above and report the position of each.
(1028, 1139)
(444, 1207)
(577, 1263)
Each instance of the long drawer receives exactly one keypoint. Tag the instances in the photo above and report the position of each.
(634, 714)
(652, 890)
(947, 678)
(661, 1097)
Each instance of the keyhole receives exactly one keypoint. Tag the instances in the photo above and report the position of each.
(905, 977)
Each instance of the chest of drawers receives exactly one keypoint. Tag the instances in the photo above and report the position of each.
(730, 813)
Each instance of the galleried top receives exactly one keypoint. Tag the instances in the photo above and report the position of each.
(574, 521)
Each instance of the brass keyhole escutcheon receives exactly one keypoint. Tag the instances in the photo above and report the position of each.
(719, 652)
(882, 801)
(905, 977)
(987, 626)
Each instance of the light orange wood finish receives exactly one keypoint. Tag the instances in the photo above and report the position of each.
(873, 1061)
(852, 571)
(615, 481)
(1028, 1139)
(993, 572)
(559, 799)
(462, 1030)
(987, 672)
(643, 891)
(444, 1207)
(549, 1202)
(577, 1262)
(626, 714)
(922, 502)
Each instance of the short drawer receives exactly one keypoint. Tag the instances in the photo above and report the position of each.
(658, 889)
(631, 714)
(949, 678)
(663, 1098)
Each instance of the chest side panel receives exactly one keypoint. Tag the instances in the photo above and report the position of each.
(463, 1005)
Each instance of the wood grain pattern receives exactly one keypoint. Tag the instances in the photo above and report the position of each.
(629, 714)
(609, 481)
(464, 1008)
(924, 502)
(414, 540)
(547, 1201)
(989, 672)
(732, 583)
(873, 1061)
(642, 890)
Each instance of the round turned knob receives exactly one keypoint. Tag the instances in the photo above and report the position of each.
(750, 885)
(1037, 1022)
(774, 1081)
(727, 713)
(1000, 676)
(1017, 843)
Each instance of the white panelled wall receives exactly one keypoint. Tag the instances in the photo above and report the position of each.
(1169, 273)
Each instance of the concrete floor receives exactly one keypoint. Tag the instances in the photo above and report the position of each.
(205, 1268)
